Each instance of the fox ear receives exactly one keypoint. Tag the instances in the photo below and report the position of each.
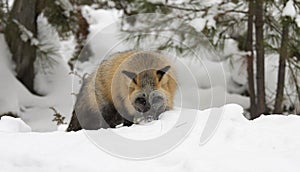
(130, 75)
(161, 72)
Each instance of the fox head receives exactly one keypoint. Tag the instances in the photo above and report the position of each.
(148, 91)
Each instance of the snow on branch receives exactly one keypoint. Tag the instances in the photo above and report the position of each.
(66, 6)
(289, 10)
(26, 35)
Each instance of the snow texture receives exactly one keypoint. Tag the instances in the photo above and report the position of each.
(26, 35)
(289, 9)
(10, 124)
(66, 6)
(156, 1)
(269, 143)
(298, 20)
(17, 99)
(198, 24)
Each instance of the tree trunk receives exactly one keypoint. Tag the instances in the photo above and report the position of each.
(260, 59)
(23, 54)
(82, 50)
(249, 48)
(282, 63)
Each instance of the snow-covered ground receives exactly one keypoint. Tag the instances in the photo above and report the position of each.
(266, 144)
(17, 99)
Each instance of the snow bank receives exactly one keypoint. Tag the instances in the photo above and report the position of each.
(8, 98)
(10, 124)
(34, 110)
(266, 144)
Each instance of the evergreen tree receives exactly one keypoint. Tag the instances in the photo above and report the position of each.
(21, 29)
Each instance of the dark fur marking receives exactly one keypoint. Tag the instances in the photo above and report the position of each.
(160, 73)
(111, 116)
(130, 75)
(127, 118)
(74, 123)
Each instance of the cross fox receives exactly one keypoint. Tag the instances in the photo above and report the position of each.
(128, 87)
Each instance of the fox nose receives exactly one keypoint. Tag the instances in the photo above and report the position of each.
(142, 104)
(156, 99)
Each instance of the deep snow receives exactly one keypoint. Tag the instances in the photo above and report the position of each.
(266, 144)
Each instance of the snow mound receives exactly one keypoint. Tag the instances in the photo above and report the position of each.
(16, 99)
(10, 124)
(266, 144)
